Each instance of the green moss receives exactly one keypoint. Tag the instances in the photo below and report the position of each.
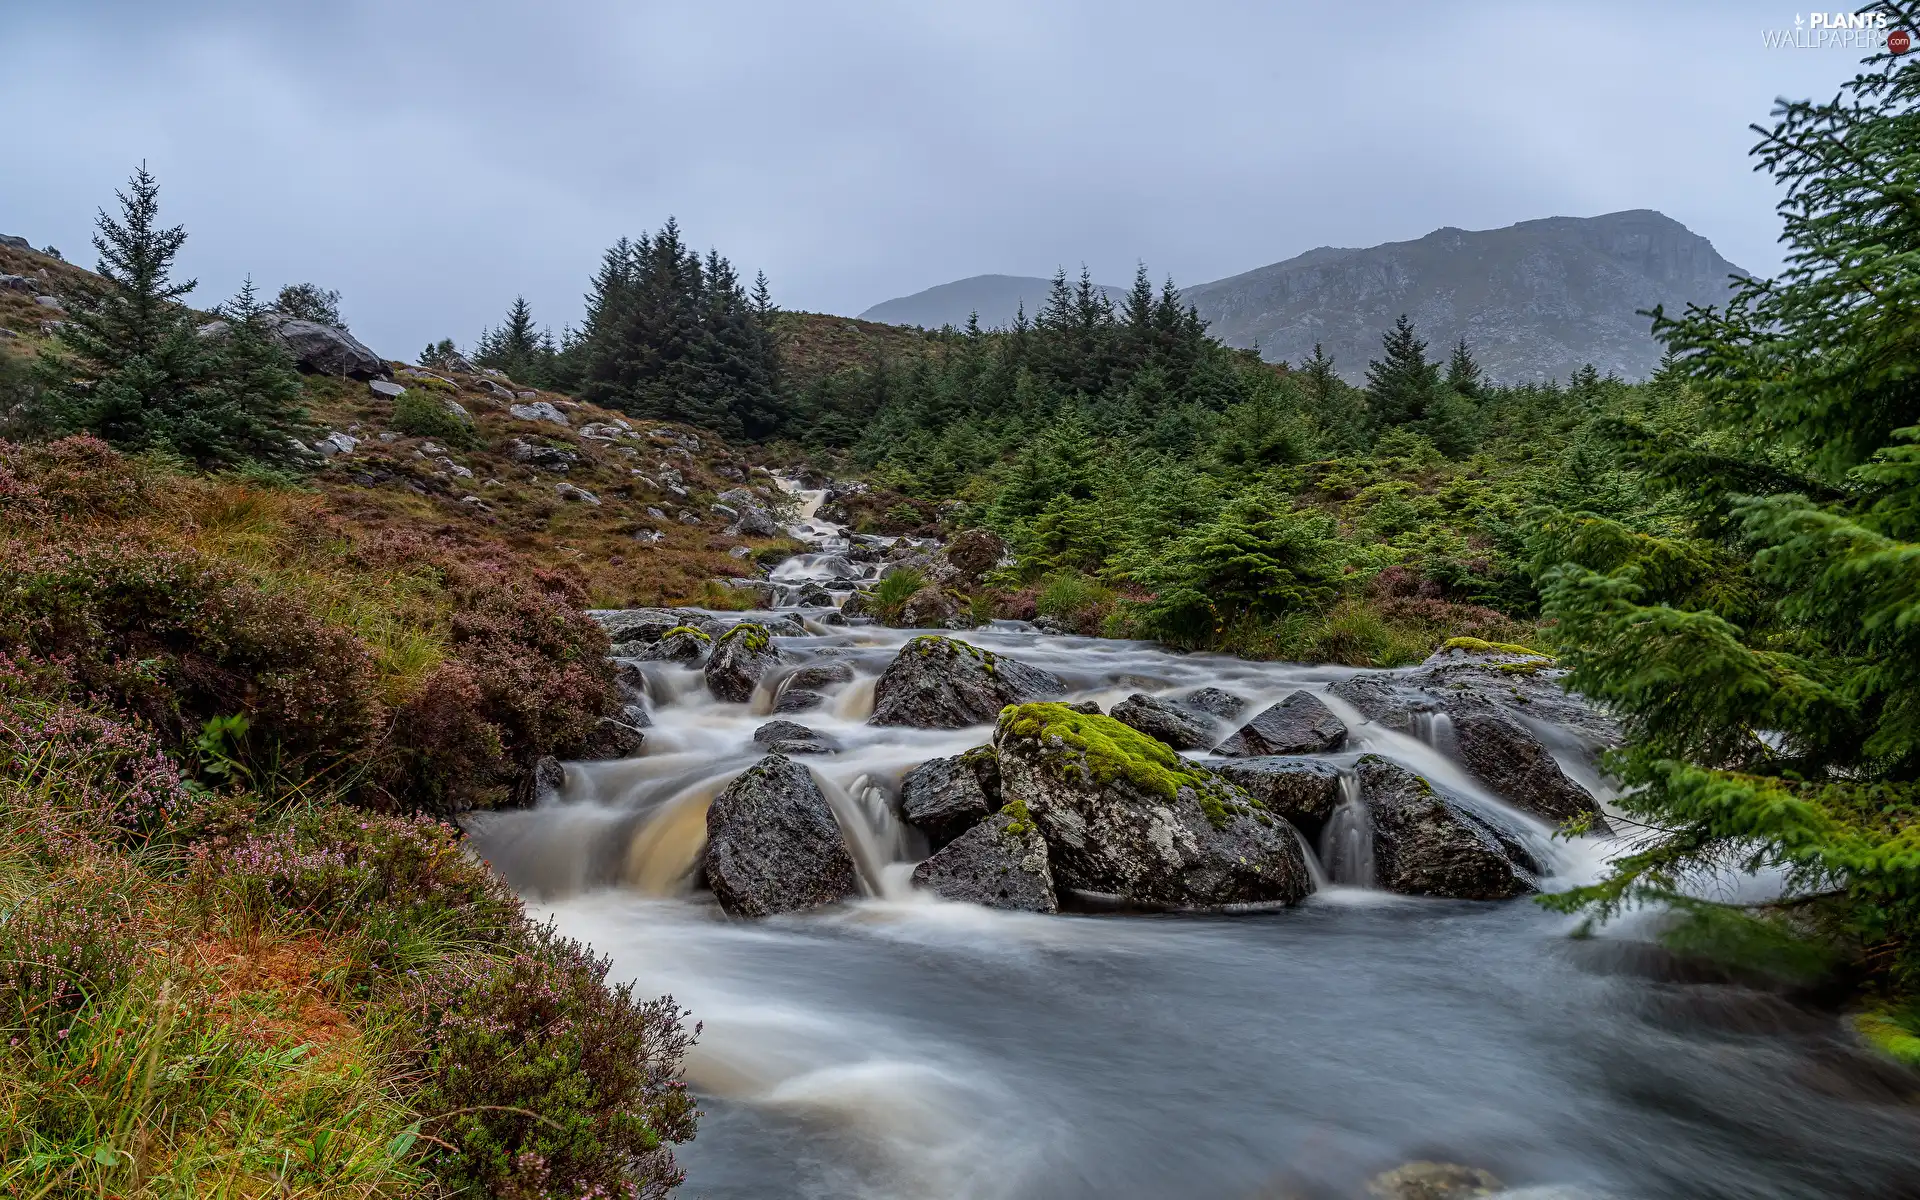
(928, 644)
(753, 637)
(1019, 822)
(1110, 751)
(680, 629)
(1473, 645)
(978, 755)
(1892, 1036)
(1529, 667)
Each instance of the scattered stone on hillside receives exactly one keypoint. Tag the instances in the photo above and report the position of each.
(1429, 843)
(1433, 1181)
(760, 590)
(385, 387)
(1000, 862)
(526, 394)
(453, 468)
(7, 335)
(335, 443)
(740, 552)
(324, 350)
(687, 518)
(773, 844)
(1160, 719)
(944, 797)
(557, 459)
(14, 242)
(1125, 816)
(1214, 702)
(1299, 724)
(937, 682)
(541, 411)
(740, 657)
(460, 363)
(568, 491)
(791, 737)
(1303, 790)
(52, 302)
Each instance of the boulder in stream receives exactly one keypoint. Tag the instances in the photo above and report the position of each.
(1215, 702)
(791, 737)
(1001, 862)
(773, 844)
(1506, 756)
(741, 656)
(1180, 728)
(1125, 816)
(1303, 790)
(944, 797)
(1428, 843)
(939, 682)
(681, 644)
(1433, 1181)
(1300, 724)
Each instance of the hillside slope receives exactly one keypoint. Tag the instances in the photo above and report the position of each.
(994, 297)
(1535, 300)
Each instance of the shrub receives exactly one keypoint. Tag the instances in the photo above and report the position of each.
(60, 951)
(106, 773)
(890, 596)
(545, 1081)
(420, 413)
(1074, 598)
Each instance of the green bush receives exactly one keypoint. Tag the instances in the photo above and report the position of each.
(419, 413)
(893, 592)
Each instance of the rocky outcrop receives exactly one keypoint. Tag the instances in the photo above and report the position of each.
(773, 844)
(944, 797)
(1303, 790)
(1179, 728)
(791, 737)
(324, 350)
(1300, 724)
(741, 656)
(1125, 816)
(1001, 862)
(942, 683)
(1491, 696)
(1428, 843)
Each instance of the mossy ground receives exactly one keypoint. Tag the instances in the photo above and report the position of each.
(1109, 751)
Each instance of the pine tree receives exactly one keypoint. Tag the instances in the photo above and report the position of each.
(1463, 373)
(1401, 383)
(310, 302)
(135, 371)
(1772, 702)
(762, 298)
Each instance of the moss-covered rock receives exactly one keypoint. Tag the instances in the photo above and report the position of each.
(940, 682)
(1123, 815)
(741, 656)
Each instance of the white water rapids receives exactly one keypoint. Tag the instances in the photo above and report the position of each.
(904, 1047)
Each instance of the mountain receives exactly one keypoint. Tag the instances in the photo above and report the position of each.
(1533, 300)
(994, 297)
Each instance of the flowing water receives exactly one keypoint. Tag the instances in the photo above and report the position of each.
(902, 1047)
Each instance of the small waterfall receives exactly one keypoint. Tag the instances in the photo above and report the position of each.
(1436, 730)
(873, 833)
(665, 851)
(1346, 845)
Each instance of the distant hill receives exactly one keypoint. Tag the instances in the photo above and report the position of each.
(1533, 300)
(994, 297)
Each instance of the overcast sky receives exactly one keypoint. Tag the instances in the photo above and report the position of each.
(433, 158)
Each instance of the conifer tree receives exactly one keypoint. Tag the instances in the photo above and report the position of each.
(1463, 373)
(1772, 702)
(1401, 382)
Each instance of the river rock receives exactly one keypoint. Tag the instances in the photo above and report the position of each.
(1215, 702)
(944, 797)
(1428, 843)
(929, 608)
(1507, 757)
(324, 350)
(817, 675)
(649, 625)
(942, 683)
(773, 844)
(972, 553)
(1157, 718)
(793, 700)
(618, 737)
(1432, 1181)
(741, 656)
(791, 737)
(1300, 724)
(1001, 862)
(1303, 790)
(546, 781)
(681, 644)
(857, 605)
(1125, 816)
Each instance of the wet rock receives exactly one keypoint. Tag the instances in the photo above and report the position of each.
(1000, 862)
(1303, 790)
(972, 554)
(618, 737)
(773, 844)
(791, 737)
(1432, 1181)
(1300, 724)
(817, 675)
(857, 605)
(944, 797)
(939, 682)
(783, 625)
(1428, 843)
(1507, 757)
(681, 644)
(1049, 625)
(814, 595)
(1125, 816)
(1214, 702)
(325, 350)
(649, 625)
(1157, 718)
(546, 781)
(929, 608)
(741, 656)
(794, 700)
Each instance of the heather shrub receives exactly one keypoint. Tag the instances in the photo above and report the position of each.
(61, 950)
(547, 1082)
(75, 478)
(107, 773)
